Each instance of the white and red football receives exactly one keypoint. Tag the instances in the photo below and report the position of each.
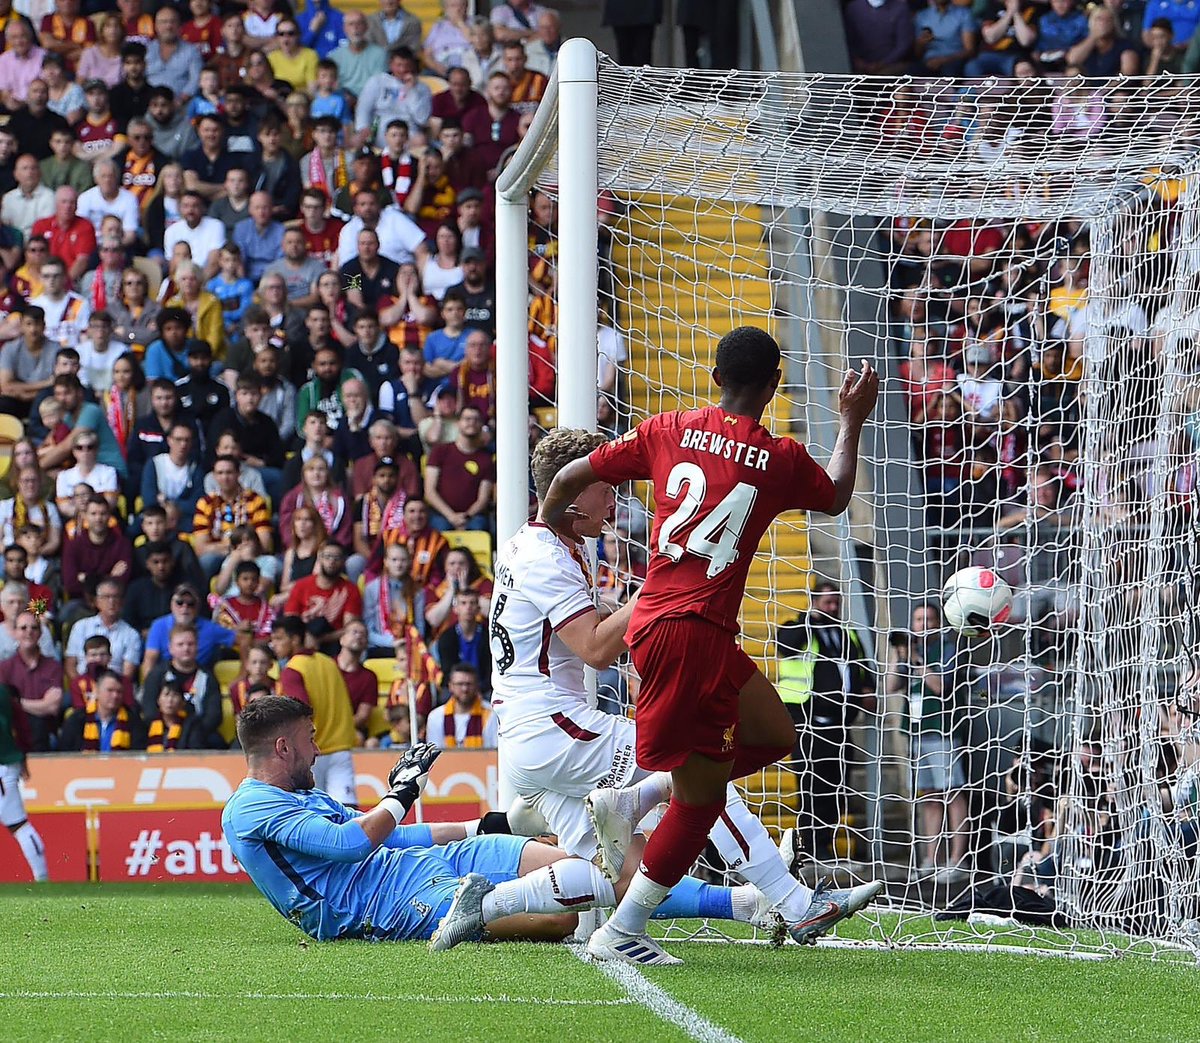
(976, 600)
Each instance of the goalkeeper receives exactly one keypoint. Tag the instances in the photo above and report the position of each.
(338, 873)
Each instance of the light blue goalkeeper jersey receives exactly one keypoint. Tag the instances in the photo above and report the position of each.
(314, 864)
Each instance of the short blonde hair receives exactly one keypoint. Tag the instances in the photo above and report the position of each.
(559, 448)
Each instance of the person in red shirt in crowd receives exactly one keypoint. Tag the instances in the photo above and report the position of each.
(494, 127)
(37, 681)
(246, 613)
(972, 241)
(475, 379)
(66, 32)
(320, 231)
(455, 102)
(139, 26)
(706, 713)
(203, 31)
(924, 374)
(361, 683)
(99, 550)
(70, 236)
(326, 598)
(460, 477)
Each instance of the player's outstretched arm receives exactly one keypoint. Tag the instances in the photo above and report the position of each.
(567, 485)
(598, 642)
(856, 400)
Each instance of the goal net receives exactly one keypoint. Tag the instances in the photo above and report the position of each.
(1021, 260)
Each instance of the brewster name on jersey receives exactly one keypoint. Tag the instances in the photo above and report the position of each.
(726, 448)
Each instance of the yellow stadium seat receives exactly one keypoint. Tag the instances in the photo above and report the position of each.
(435, 83)
(478, 543)
(11, 432)
(386, 672)
(228, 727)
(546, 416)
(226, 671)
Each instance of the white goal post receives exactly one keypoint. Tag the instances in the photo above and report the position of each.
(1021, 260)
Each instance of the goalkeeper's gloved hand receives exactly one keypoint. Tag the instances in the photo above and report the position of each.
(407, 779)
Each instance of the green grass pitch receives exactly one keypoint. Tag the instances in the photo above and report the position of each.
(136, 962)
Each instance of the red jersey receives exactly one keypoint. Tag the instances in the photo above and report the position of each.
(323, 245)
(95, 137)
(336, 605)
(77, 240)
(363, 686)
(205, 38)
(719, 482)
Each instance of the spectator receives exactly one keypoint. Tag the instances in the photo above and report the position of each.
(478, 291)
(474, 381)
(235, 292)
(528, 86)
(303, 539)
(210, 638)
(259, 236)
(140, 163)
(298, 271)
(28, 505)
(65, 312)
(399, 236)
(515, 21)
(258, 436)
(447, 37)
(495, 127)
(462, 574)
(323, 393)
(370, 277)
(351, 440)
(20, 64)
(426, 546)
(234, 205)
(66, 32)
(175, 726)
(460, 478)
(106, 725)
(380, 508)
(264, 92)
(1007, 33)
(151, 431)
(278, 400)
(391, 95)
(64, 97)
(357, 59)
(1164, 54)
(879, 36)
(278, 173)
(466, 175)
(245, 612)
(372, 355)
(149, 596)
(393, 27)
(99, 134)
(286, 323)
(71, 237)
(26, 364)
(945, 38)
(466, 721)
(201, 397)
(173, 479)
(1059, 29)
(203, 30)
(174, 134)
(14, 600)
(61, 167)
(326, 600)
(441, 426)
(157, 527)
(296, 65)
(406, 400)
(1183, 16)
(204, 235)
(393, 605)
(170, 60)
(327, 165)
(130, 95)
(218, 514)
(543, 48)
(98, 351)
(452, 104)
(97, 658)
(480, 59)
(247, 548)
(183, 665)
(317, 490)
(924, 669)
(825, 682)
(445, 349)
(442, 269)
(317, 443)
(100, 478)
(362, 686)
(30, 201)
(108, 197)
(257, 672)
(383, 438)
(36, 680)
(313, 678)
(124, 642)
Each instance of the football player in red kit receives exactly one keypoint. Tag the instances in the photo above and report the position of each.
(705, 712)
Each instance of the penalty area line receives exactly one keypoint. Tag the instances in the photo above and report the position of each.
(531, 1001)
(660, 1003)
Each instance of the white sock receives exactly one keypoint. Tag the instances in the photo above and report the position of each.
(33, 849)
(745, 902)
(639, 903)
(748, 850)
(651, 792)
(569, 885)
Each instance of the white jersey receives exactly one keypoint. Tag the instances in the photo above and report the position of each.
(541, 584)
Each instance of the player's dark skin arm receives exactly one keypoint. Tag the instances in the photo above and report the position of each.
(568, 484)
(856, 400)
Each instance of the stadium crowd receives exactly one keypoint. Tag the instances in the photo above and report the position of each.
(246, 359)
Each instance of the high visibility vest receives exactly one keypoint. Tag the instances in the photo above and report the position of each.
(796, 675)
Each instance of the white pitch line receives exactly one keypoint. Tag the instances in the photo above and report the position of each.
(27, 994)
(660, 1003)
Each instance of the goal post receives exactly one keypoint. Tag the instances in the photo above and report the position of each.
(1021, 261)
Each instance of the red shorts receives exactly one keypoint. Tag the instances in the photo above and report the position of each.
(692, 672)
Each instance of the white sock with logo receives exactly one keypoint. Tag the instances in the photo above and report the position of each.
(33, 849)
(569, 885)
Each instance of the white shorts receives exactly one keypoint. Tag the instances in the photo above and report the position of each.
(334, 773)
(12, 807)
(556, 761)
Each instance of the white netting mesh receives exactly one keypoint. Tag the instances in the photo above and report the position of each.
(1022, 262)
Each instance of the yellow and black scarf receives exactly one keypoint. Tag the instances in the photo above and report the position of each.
(473, 738)
(164, 737)
(121, 737)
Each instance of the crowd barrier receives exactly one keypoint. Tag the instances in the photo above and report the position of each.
(140, 817)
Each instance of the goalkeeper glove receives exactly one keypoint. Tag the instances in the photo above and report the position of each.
(407, 779)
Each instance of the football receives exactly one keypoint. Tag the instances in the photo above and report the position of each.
(974, 600)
